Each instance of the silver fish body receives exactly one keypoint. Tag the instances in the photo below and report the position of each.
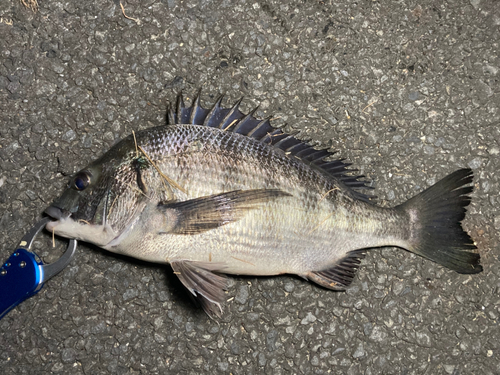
(219, 192)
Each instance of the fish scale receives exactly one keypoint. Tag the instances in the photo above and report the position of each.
(226, 193)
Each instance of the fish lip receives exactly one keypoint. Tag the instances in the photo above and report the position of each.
(57, 213)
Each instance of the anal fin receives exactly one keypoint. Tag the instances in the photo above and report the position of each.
(341, 274)
(205, 285)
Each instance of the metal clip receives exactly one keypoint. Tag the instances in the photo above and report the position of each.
(24, 273)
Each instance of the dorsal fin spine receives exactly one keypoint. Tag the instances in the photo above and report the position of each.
(263, 124)
(246, 123)
(170, 116)
(179, 108)
(213, 115)
(195, 108)
(234, 114)
(282, 143)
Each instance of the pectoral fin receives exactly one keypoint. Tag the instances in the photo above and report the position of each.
(202, 214)
(207, 286)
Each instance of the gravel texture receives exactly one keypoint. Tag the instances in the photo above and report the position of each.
(407, 90)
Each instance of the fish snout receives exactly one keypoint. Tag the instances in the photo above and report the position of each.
(57, 213)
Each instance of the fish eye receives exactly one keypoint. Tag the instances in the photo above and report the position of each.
(81, 180)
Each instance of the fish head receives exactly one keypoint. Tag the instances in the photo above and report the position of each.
(101, 200)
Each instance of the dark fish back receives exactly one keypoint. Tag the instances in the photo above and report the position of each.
(235, 121)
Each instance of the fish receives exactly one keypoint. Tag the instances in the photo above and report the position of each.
(217, 192)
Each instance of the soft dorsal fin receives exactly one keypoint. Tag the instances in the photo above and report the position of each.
(233, 120)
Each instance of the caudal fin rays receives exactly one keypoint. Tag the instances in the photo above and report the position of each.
(436, 230)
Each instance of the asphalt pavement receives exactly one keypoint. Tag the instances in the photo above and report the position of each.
(408, 91)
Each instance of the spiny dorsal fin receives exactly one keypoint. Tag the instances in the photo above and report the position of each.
(233, 120)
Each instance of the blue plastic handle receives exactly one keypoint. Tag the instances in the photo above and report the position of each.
(20, 277)
(24, 273)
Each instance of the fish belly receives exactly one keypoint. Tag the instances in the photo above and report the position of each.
(276, 239)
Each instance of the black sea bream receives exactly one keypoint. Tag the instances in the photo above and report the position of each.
(219, 192)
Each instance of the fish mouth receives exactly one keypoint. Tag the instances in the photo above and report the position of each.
(57, 213)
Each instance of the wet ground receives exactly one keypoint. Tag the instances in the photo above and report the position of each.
(406, 90)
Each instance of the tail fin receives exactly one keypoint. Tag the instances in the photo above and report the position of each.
(436, 232)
